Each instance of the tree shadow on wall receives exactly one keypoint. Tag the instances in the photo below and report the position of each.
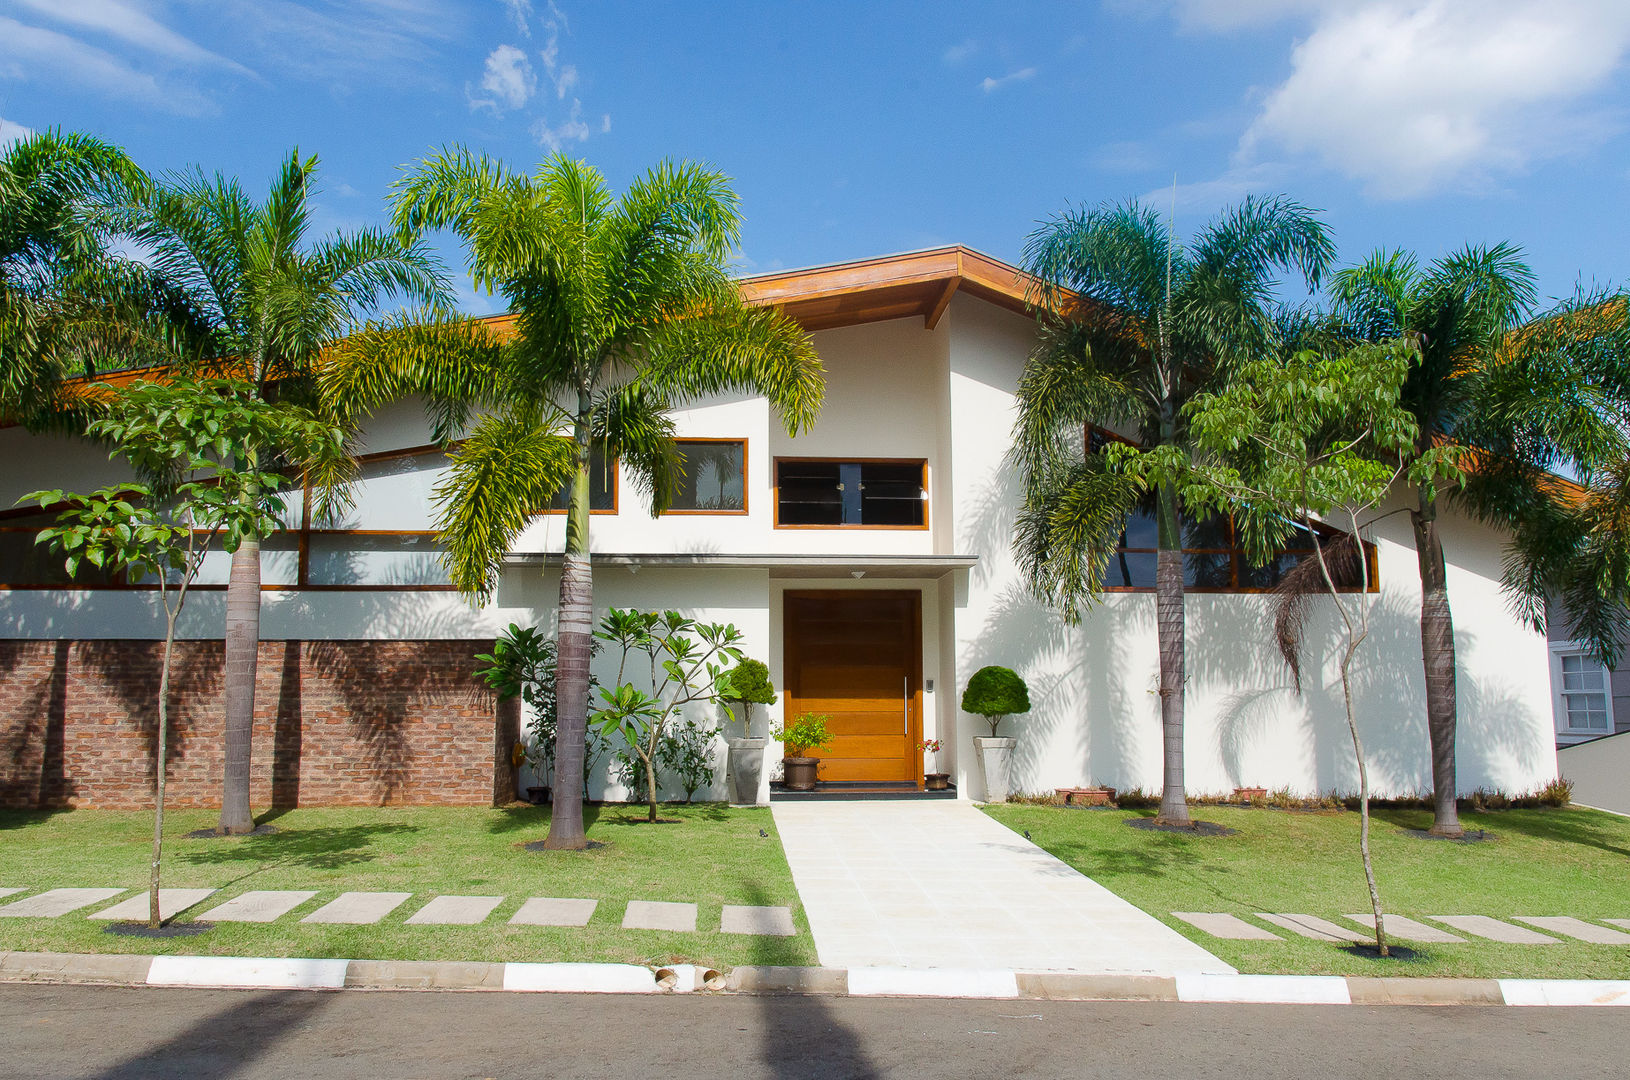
(129, 670)
(32, 767)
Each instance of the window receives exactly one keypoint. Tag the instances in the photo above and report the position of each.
(1213, 560)
(715, 480)
(1584, 697)
(876, 494)
(602, 488)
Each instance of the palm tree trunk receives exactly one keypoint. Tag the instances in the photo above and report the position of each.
(1174, 807)
(575, 638)
(1438, 657)
(242, 649)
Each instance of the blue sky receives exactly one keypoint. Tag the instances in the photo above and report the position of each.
(856, 129)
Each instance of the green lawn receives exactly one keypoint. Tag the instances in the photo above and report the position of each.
(712, 856)
(1534, 862)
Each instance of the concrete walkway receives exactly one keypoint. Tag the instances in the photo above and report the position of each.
(939, 884)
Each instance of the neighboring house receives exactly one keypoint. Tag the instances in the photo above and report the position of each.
(867, 562)
(1589, 699)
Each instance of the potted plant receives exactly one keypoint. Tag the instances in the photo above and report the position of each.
(807, 732)
(747, 684)
(994, 693)
(932, 781)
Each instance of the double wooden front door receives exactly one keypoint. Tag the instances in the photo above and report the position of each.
(856, 656)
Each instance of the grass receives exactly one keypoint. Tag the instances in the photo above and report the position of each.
(712, 856)
(1534, 862)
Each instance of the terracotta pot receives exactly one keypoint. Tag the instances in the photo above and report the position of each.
(1249, 794)
(936, 781)
(799, 773)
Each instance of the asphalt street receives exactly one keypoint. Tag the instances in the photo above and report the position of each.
(106, 1033)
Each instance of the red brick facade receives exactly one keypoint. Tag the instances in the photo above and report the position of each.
(360, 723)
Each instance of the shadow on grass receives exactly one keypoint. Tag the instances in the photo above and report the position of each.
(322, 849)
(1587, 828)
(28, 819)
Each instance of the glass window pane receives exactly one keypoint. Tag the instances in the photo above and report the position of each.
(23, 562)
(279, 563)
(714, 479)
(393, 493)
(602, 486)
(1141, 530)
(1130, 570)
(1270, 575)
(375, 560)
(809, 493)
(1211, 533)
(891, 494)
(1211, 570)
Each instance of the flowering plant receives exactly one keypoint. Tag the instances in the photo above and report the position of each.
(929, 747)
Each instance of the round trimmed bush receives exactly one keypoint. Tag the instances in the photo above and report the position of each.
(995, 692)
(748, 682)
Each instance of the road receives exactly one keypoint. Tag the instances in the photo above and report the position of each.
(107, 1032)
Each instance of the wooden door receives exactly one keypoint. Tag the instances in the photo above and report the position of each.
(856, 656)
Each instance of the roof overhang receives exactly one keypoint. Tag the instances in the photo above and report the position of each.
(779, 566)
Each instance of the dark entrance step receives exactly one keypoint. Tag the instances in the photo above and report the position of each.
(854, 790)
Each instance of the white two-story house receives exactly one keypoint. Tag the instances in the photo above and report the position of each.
(868, 562)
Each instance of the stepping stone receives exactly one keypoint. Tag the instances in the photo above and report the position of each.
(260, 906)
(1311, 926)
(659, 915)
(358, 907)
(764, 921)
(1495, 930)
(455, 911)
(48, 905)
(1226, 926)
(8, 892)
(551, 911)
(170, 901)
(1574, 928)
(1616, 922)
(1408, 929)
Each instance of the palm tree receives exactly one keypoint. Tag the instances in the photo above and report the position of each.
(266, 301)
(1134, 325)
(1528, 392)
(623, 312)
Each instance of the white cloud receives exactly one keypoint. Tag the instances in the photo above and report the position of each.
(11, 131)
(1415, 98)
(1229, 14)
(1229, 188)
(519, 12)
(958, 53)
(340, 43)
(130, 24)
(572, 129)
(508, 77)
(990, 84)
(34, 50)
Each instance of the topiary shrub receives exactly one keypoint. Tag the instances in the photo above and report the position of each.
(748, 683)
(995, 692)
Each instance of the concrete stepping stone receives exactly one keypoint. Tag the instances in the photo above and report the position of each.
(763, 921)
(1619, 922)
(8, 892)
(1568, 926)
(54, 902)
(1495, 930)
(264, 905)
(1222, 925)
(455, 911)
(554, 911)
(1407, 929)
(170, 902)
(659, 915)
(1311, 926)
(358, 907)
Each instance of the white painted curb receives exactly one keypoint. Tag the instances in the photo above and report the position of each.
(1565, 991)
(580, 978)
(271, 973)
(932, 982)
(1263, 989)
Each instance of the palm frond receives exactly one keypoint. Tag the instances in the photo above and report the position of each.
(1067, 531)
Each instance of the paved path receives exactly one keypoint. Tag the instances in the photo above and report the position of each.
(939, 884)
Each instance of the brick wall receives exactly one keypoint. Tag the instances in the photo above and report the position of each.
(361, 723)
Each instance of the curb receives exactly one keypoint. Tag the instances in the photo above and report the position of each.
(285, 973)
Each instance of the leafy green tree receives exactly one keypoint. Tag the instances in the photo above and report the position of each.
(264, 301)
(1134, 325)
(684, 659)
(1529, 392)
(995, 693)
(183, 433)
(623, 312)
(1291, 444)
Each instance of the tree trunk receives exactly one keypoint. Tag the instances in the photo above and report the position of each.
(1438, 657)
(651, 779)
(242, 649)
(153, 916)
(1174, 807)
(575, 642)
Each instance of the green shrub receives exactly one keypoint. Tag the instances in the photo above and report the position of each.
(807, 732)
(995, 692)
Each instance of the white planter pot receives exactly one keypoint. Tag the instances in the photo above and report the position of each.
(995, 759)
(746, 771)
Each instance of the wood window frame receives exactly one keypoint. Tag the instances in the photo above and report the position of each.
(616, 467)
(745, 471)
(775, 482)
(1236, 554)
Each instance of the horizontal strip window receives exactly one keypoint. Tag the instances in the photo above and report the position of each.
(336, 559)
(715, 477)
(1213, 562)
(602, 487)
(824, 493)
